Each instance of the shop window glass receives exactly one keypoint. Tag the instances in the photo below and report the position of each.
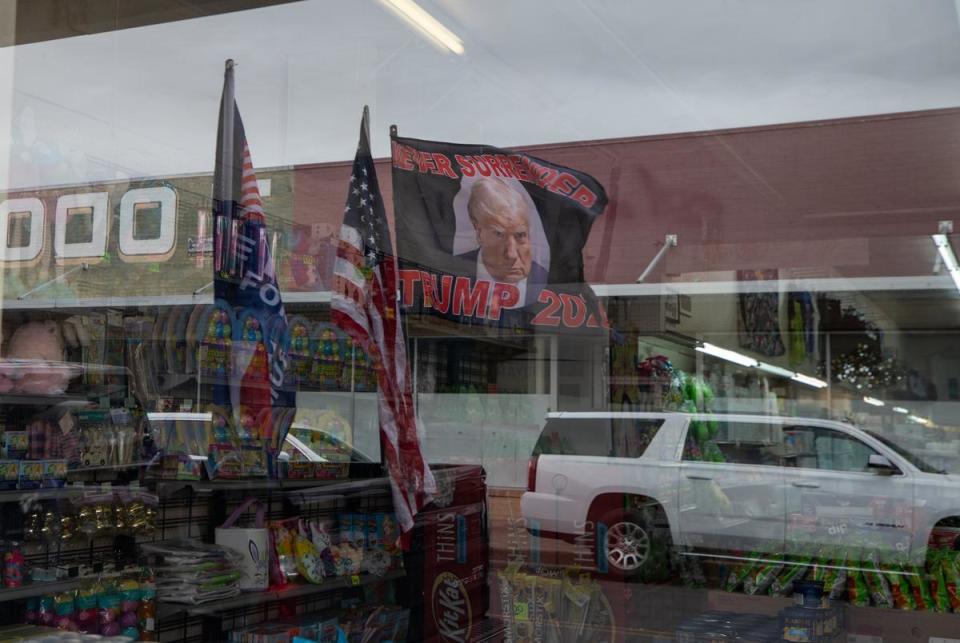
(732, 442)
(632, 436)
(576, 437)
(616, 437)
(820, 448)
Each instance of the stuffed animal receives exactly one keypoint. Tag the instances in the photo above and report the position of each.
(38, 341)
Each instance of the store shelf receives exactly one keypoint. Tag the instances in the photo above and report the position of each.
(298, 489)
(43, 400)
(292, 591)
(38, 589)
(17, 495)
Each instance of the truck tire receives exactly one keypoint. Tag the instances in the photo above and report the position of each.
(631, 545)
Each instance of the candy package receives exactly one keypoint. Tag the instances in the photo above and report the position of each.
(880, 592)
(900, 590)
(760, 578)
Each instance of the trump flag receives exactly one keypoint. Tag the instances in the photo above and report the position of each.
(489, 236)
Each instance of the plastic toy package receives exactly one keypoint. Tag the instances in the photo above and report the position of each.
(116, 605)
(313, 550)
(345, 625)
(194, 573)
(97, 513)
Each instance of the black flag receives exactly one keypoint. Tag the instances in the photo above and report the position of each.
(493, 237)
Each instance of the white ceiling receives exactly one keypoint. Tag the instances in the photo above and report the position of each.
(143, 102)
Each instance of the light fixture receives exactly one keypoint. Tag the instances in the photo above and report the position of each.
(723, 353)
(179, 416)
(743, 360)
(949, 258)
(809, 381)
(776, 370)
(426, 24)
(918, 419)
(900, 409)
(873, 401)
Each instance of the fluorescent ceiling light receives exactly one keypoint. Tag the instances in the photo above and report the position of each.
(776, 370)
(809, 381)
(874, 401)
(918, 419)
(426, 24)
(179, 416)
(723, 353)
(900, 409)
(949, 259)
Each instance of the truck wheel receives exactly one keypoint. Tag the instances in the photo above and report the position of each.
(630, 543)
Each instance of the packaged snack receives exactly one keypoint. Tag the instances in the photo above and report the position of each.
(86, 608)
(254, 459)
(346, 528)
(834, 576)
(360, 529)
(951, 575)
(348, 559)
(225, 462)
(30, 614)
(920, 586)
(737, 574)
(547, 594)
(110, 613)
(286, 554)
(9, 474)
(16, 444)
(782, 585)
(54, 473)
(147, 610)
(46, 613)
(309, 562)
(13, 564)
(879, 587)
(31, 474)
(900, 589)
(857, 591)
(760, 578)
(65, 618)
(938, 581)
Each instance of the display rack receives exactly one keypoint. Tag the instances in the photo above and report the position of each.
(290, 592)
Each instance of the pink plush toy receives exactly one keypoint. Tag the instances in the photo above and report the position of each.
(39, 342)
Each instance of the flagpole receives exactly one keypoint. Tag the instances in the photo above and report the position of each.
(366, 123)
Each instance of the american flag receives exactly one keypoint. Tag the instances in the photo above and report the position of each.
(365, 306)
(245, 278)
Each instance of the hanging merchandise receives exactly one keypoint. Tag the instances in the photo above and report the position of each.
(758, 318)
(802, 328)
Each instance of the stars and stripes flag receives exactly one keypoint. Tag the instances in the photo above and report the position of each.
(245, 279)
(365, 305)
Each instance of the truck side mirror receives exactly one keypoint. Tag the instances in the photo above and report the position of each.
(881, 465)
